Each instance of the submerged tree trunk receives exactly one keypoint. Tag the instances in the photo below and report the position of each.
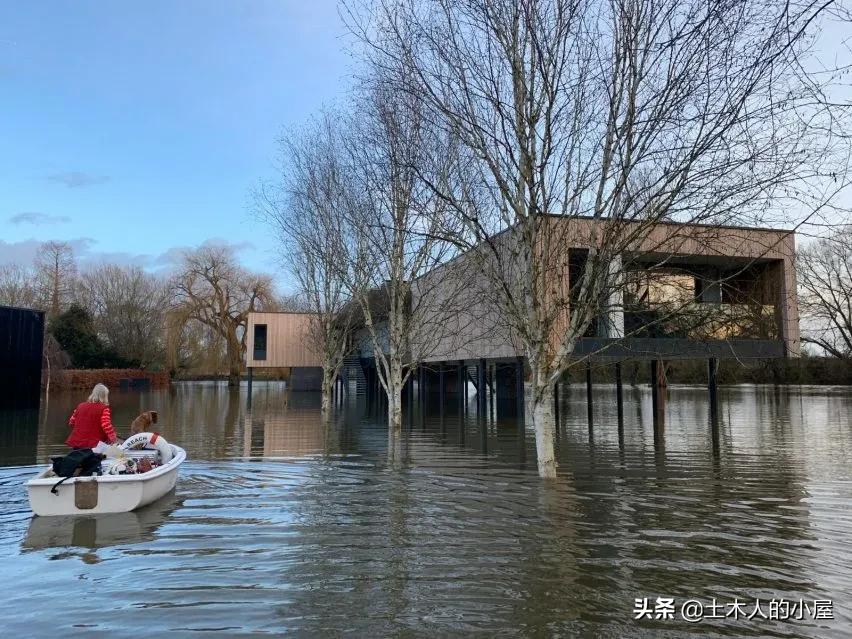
(541, 409)
(392, 382)
(235, 359)
(396, 450)
(395, 398)
(328, 378)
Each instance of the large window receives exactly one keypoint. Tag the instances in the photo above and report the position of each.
(699, 303)
(259, 342)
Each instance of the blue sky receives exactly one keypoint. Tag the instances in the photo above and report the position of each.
(134, 129)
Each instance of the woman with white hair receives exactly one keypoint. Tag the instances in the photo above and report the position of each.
(91, 421)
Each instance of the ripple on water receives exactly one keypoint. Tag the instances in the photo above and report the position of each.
(279, 523)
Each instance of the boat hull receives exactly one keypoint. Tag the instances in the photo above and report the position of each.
(104, 493)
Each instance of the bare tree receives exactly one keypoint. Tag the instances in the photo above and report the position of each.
(395, 217)
(56, 273)
(212, 289)
(306, 209)
(589, 123)
(128, 307)
(55, 360)
(192, 347)
(825, 293)
(18, 287)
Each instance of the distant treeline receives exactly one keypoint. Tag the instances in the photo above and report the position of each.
(189, 321)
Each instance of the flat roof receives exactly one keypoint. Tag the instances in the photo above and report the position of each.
(763, 229)
(283, 313)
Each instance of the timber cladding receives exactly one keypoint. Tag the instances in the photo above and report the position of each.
(288, 341)
(476, 330)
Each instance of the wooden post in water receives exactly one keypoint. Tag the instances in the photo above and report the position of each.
(492, 393)
(464, 371)
(421, 391)
(380, 395)
(712, 387)
(658, 394)
(556, 404)
(519, 390)
(478, 383)
(619, 397)
(712, 370)
(248, 390)
(654, 392)
(590, 408)
(482, 391)
(441, 397)
(409, 399)
(460, 384)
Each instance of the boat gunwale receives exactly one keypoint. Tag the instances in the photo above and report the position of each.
(172, 464)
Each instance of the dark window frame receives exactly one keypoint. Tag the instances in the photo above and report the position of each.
(259, 343)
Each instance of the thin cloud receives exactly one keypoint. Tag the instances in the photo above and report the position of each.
(38, 219)
(24, 251)
(77, 179)
(88, 256)
(174, 255)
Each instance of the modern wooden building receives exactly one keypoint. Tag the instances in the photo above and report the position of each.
(726, 292)
(691, 291)
(282, 340)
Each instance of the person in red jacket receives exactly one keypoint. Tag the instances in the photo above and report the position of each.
(91, 421)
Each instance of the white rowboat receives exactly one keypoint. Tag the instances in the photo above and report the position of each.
(104, 493)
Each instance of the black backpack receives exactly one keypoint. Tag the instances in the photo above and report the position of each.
(84, 460)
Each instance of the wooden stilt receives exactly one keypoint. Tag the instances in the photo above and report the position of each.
(519, 390)
(441, 397)
(654, 394)
(590, 409)
(249, 371)
(409, 399)
(619, 396)
(465, 387)
(481, 391)
(461, 385)
(556, 404)
(712, 387)
(492, 392)
(422, 390)
(658, 394)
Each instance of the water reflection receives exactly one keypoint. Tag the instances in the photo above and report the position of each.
(100, 531)
(19, 436)
(284, 523)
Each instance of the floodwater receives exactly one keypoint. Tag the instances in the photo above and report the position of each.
(279, 524)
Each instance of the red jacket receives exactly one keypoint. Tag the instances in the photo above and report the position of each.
(92, 424)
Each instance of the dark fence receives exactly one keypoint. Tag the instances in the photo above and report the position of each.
(21, 339)
(114, 378)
